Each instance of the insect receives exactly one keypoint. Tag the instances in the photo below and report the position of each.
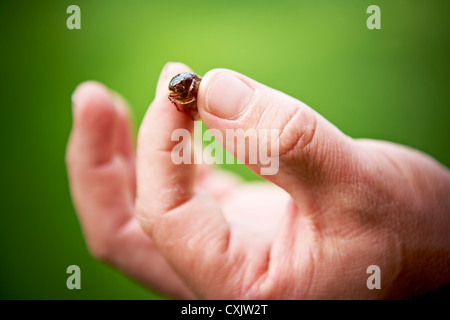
(183, 93)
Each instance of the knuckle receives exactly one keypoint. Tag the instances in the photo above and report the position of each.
(297, 134)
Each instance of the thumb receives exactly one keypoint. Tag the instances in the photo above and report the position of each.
(295, 146)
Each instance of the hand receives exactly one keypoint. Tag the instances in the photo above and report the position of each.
(336, 205)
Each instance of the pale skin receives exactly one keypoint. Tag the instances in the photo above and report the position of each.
(336, 206)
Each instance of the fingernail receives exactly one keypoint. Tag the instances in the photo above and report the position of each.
(227, 96)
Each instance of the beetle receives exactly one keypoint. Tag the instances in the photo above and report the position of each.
(183, 93)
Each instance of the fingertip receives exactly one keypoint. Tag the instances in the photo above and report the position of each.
(224, 93)
(205, 84)
(92, 103)
(170, 70)
(95, 120)
(162, 107)
(89, 91)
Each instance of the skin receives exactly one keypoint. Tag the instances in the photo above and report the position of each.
(336, 206)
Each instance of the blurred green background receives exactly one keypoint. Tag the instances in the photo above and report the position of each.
(388, 84)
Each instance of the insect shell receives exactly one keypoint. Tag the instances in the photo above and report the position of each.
(183, 93)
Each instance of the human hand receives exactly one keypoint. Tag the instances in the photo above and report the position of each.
(347, 204)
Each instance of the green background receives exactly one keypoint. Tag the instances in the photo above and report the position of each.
(388, 84)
